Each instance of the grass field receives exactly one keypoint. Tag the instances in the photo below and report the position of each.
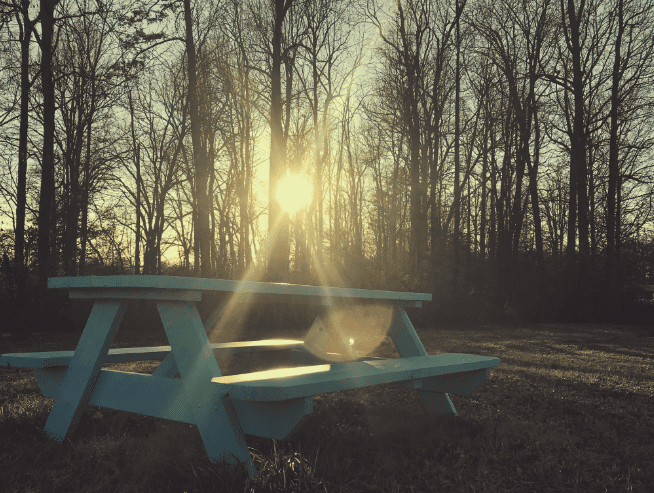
(571, 408)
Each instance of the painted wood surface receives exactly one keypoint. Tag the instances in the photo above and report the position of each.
(268, 404)
(136, 294)
(280, 291)
(74, 392)
(291, 383)
(47, 359)
(158, 397)
(408, 344)
(213, 412)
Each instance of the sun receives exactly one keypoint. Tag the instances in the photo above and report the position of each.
(293, 193)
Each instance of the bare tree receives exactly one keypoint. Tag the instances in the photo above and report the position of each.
(409, 40)
(47, 193)
(517, 31)
(199, 152)
(632, 68)
(328, 43)
(26, 28)
(585, 36)
(279, 29)
(160, 138)
(238, 126)
(277, 223)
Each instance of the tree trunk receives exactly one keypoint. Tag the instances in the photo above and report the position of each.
(137, 246)
(578, 168)
(614, 168)
(456, 203)
(199, 157)
(84, 203)
(484, 183)
(411, 60)
(457, 137)
(247, 172)
(503, 202)
(26, 29)
(533, 189)
(86, 172)
(47, 193)
(137, 161)
(73, 163)
(278, 222)
(492, 228)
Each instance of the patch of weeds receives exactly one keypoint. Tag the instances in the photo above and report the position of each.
(285, 470)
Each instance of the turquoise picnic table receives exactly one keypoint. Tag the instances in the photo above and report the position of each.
(188, 386)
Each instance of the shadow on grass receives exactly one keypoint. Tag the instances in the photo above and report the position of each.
(526, 429)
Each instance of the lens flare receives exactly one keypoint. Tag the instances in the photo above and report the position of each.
(349, 331)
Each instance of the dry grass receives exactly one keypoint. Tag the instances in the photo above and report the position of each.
(569, 409)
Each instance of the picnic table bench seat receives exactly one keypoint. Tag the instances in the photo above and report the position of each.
(270, 403)
(48, 359)
(188, 386)
(431, 373)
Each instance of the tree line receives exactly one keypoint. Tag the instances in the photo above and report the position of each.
(494, 153)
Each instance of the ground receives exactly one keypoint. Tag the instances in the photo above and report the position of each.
(568, 409)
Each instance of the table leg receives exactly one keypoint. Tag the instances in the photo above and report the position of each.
(215, 315)
(167, 368)
(409, 344)
(77, 385)
(214, 414)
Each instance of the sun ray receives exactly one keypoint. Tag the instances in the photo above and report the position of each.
(346, 331)
(225, 323)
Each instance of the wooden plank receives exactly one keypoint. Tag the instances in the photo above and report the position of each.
(441, 364)
(75, 390)
(404, 336)
(290, 292)
(292, 383)
(136, 294)
(125, 391)
(212, 410)
(165, 398)
(276, 420)
(456, 383)
(320, 300)
(214, 316)
(167, 368)
(268, 375)
(49, 359)
(408, 344)
(253, 346)
(453, 383)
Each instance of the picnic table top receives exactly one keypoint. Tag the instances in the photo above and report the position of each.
(150, 282)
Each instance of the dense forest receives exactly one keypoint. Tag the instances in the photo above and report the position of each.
(494, 153)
